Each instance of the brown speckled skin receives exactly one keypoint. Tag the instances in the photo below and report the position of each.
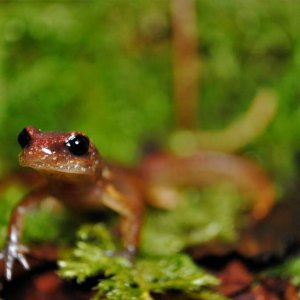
(48, 154)
(82, 183)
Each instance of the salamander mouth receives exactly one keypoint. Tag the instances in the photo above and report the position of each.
(43, 167)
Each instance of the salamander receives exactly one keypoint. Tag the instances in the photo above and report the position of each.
(77, 175)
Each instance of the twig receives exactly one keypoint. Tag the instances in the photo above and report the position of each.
(186, 63)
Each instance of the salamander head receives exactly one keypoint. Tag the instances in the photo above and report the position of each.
(64, 156)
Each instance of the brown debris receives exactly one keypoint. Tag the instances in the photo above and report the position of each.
(47, 283)
(239, 283)
(234, 278)
(44, 285)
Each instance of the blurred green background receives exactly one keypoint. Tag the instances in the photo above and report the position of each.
(105, 67)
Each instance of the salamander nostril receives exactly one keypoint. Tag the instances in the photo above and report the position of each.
(24, 138)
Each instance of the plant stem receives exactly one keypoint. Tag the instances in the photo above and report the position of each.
(185, 62)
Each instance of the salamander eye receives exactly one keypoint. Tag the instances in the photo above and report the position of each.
(24, 138)
(77, 144)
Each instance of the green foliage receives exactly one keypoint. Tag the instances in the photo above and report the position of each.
(105, 68)
(244, 46)
(65, 67)
(93, 254)
(44, 224)
(288, 269)
(49, 225)
(7, 201)
(202, 216)
(161, 266)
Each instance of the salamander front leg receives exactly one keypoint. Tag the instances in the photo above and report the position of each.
(13, 249)
(131, 211)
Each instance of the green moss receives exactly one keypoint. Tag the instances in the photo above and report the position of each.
(8, 199)
(288, 269)
(124, 280)
(160, 266)
(211, 213)
(46, 223)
